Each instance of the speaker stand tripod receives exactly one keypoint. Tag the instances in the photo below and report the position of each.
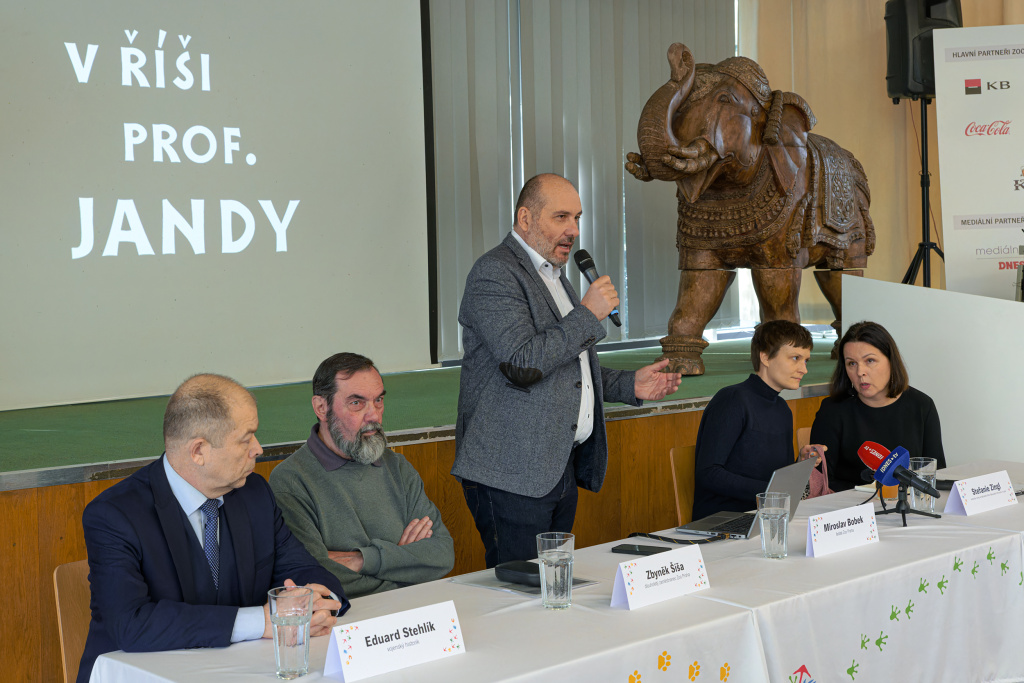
(925, 246)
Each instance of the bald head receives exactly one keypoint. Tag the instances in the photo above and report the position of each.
(534, 194)
(202, 408)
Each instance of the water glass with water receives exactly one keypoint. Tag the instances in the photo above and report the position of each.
(554, 549)
(291, 609)
(773, 513)
(924, 468)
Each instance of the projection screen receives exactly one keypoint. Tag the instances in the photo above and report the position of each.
(234, 187)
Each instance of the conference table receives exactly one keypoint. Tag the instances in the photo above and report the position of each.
(938, 600)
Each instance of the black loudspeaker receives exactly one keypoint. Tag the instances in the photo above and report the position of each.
(910, 71)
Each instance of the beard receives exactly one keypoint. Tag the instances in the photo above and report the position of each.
(548, 251)
(365, 450)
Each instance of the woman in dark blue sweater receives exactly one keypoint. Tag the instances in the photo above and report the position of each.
(746, 431)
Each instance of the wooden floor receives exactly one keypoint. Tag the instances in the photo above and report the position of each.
(40, 528)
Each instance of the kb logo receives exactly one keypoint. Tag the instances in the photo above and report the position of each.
(997, 85)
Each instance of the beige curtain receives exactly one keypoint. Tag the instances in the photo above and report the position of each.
(834, 55)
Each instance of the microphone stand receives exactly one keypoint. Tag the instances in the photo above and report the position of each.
(902, 506)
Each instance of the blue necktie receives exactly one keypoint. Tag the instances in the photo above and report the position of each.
(209, 509)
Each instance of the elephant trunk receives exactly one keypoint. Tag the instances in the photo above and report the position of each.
(697, 158)
(654, 132)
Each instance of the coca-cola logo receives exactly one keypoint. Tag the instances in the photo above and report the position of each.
(994, 128)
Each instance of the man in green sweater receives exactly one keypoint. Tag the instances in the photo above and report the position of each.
(357, 506)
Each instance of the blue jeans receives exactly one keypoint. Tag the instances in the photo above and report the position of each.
(509, 523)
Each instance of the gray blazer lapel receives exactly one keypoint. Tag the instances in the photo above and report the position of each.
(527, 264)
(570, 290)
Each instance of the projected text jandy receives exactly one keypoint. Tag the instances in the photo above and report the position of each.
(126, 227)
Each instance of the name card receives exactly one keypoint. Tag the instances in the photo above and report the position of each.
(643, 582)
(396, 641)
(981, 494)
(841, 530)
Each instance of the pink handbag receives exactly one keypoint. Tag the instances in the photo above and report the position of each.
(818, 485)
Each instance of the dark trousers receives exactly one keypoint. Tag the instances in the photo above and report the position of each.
(509, 523)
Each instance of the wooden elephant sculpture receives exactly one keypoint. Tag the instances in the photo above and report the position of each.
(756, 190)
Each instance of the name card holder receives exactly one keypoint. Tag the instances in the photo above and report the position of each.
(841, 530)
(395, 641)
(643, 582)
(980, 494)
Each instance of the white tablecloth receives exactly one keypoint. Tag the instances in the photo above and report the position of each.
(940, 600)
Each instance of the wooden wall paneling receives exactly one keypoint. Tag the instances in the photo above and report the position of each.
(21, 634)
(804, 410)
(265, 468)
(648, 503)
(598, 514)
(469, 549)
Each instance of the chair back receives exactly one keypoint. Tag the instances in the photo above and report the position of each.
(682, 461)
(71, 588)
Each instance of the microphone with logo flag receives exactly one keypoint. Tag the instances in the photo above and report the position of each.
(890, 468)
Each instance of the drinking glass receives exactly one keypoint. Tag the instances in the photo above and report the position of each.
(924, 468)
(773, 513)
(554, 549)
(291, 609)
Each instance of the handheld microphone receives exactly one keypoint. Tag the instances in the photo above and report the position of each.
(589, 270)
(891, 467)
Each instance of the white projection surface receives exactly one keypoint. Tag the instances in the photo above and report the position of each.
(963, 350)
(233, 187)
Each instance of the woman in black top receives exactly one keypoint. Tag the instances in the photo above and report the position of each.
(871, 400)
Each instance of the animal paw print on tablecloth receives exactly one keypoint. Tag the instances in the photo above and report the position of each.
(694, 671)
(723, 672)
(634, 677)
(664, 661)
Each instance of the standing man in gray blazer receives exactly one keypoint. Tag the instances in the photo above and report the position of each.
(531, 400)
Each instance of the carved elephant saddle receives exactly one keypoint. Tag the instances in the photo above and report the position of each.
(837, 178)
(737, 217)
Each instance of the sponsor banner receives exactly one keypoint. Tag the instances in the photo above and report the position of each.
(1005, 220)
(987, 52)
(979, 96)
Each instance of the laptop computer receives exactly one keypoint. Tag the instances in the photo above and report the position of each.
(791, 479)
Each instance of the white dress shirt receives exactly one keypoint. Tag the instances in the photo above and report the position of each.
(549, 275)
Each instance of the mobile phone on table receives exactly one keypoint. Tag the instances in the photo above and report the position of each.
(634, 549)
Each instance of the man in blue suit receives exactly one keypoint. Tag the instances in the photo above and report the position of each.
(183, 552)
(531, 417)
